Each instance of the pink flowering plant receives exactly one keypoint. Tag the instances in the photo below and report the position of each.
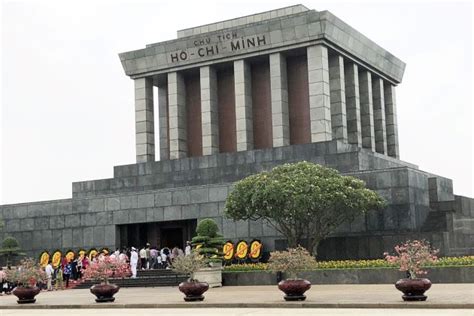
(27, 274)
(106, 267)
(412, 255)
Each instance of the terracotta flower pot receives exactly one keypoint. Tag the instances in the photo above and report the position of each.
(294, 289)
(413, 289)
(26, 294)
(104, 292)
(193, 290)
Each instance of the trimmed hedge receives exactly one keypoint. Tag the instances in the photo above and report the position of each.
(354, 264)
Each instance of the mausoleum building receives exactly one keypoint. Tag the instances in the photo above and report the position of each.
(244, 95)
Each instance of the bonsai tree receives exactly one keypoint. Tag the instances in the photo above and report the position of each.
(101, 270)
(412, 255)
(26, 277)
(188, 265)
(27, 274)
(10, 248)
(301, 201)
(208, 242)
(106, 267)
(291, 261)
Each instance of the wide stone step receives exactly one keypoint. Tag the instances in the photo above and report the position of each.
(156, 272)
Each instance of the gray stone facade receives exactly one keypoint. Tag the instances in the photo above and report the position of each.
(282, 30)
(420, 204)
(353, 128)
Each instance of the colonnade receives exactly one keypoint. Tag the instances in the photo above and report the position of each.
(346, 102)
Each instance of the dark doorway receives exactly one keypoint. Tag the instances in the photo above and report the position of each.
(160, 234)
(171, 237)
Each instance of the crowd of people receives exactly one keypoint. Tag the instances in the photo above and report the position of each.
(154, 258)
(72, 269)
(6, 287)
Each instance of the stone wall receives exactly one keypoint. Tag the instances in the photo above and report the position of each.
(280, 32)
(350, 276)
(196, 188)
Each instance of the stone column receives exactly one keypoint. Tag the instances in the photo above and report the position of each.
(319, 101)
(209, 117)
(338, 98)
(354, 133)
(164, 122)
(144, 121)
(379, 116)
(177, 115)
(279, 95)
(391, 120)
(366, 110)
(243, 105)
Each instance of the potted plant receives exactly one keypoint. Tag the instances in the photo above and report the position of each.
(192, 288)
(289, 262)
(26, 277)
(209, 243)
(411, 256)
(101, 270)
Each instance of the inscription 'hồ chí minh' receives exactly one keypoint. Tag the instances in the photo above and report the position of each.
(220, 44)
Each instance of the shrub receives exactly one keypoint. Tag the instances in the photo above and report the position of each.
(411, 255)
(207, 227)
(358, 264)
(208, 242)
(188, 264)
(10, 248)
(105, 267)
(27, 274)
(290, 261)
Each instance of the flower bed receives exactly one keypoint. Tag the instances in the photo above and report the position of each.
(354, 264)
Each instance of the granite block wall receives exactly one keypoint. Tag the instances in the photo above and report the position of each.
(419, 204)
(230, 167)
(280, 32)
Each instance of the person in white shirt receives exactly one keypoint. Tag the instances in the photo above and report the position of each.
(164, 259)
(158, 259)
(49, 274)
(187, 250)
(143, 257)
(134, 262)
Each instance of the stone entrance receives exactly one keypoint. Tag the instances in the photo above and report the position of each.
(161, 234)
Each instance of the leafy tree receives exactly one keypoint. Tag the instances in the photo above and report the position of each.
(208, 242)
(10, 248)
(301, 201)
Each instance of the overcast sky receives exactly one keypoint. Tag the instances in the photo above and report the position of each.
(67, 110)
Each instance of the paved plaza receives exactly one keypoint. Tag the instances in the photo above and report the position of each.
(440, 296)
(241, 312)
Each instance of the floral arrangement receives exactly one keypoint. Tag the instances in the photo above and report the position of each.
(412, 255)
(356, 264)
(106, 267)
(290, 261)
(27, 274)
(188, 264)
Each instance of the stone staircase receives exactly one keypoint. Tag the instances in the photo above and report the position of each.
(145, 278)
